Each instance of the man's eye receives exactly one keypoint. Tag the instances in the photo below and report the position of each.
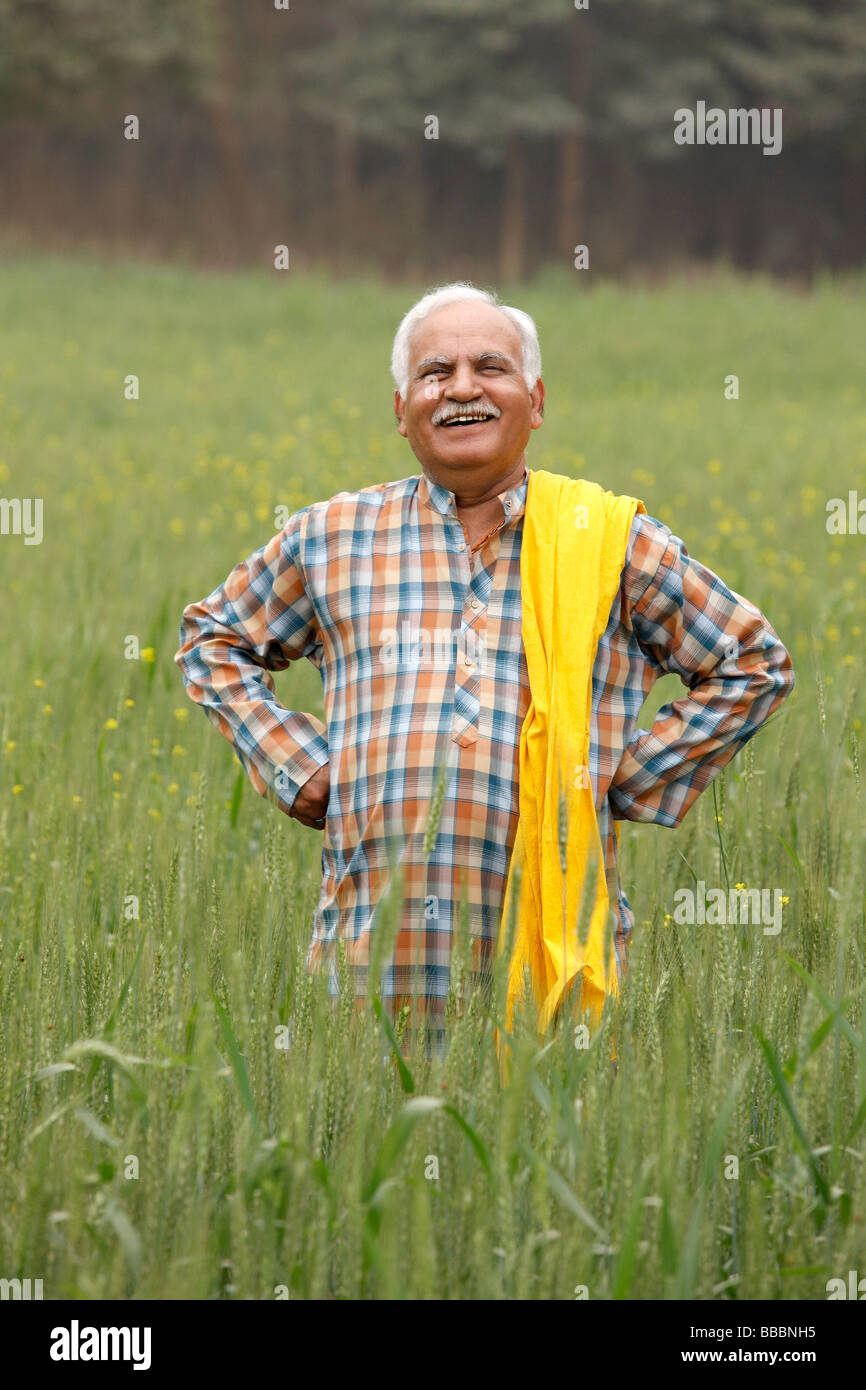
(492, 369)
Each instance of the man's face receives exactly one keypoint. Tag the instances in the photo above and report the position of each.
(465, 359)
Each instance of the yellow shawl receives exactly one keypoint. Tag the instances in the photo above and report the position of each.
(573, 550)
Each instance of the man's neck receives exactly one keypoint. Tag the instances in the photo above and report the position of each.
(479, 508)
(471, 495)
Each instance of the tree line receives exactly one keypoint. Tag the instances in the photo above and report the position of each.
(480, 136)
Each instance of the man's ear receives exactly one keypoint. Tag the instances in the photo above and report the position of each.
(400, 412)
(536, 396)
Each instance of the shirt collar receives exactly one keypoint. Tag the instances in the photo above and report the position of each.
(433, 495)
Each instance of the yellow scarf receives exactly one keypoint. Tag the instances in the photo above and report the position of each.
(573, 550)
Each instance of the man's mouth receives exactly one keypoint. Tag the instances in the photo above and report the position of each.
(465, 421)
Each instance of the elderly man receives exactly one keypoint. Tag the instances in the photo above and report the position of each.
(407, 597)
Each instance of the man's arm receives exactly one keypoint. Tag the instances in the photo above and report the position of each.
(688, 621)
(258, 621)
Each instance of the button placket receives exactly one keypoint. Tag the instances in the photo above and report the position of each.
(464, 730)
(467, 691)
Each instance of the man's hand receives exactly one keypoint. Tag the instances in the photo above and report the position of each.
(311, 802)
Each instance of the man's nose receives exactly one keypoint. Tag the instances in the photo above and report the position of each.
(464, 385)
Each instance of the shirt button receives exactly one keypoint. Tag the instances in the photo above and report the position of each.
(508, 506)
(461, 546)
(467, 661)
(474, 603)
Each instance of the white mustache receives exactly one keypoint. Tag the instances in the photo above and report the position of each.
(441, 417)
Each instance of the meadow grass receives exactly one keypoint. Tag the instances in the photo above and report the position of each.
(155, 1014)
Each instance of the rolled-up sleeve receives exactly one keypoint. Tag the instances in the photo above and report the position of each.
(687, 621)
(259, 620)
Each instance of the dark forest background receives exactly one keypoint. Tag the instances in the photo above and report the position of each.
(306, 126)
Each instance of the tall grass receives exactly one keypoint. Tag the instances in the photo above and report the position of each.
(182, 1112)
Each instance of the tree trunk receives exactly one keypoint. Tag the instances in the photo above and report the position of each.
(619, 245)
(222, 102)
(853, 241)
(512, 239)
(346, 191)
(571, 153)
(414, 207)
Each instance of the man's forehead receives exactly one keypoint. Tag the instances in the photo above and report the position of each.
(465, 327)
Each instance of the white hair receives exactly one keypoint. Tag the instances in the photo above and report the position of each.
(452, 294)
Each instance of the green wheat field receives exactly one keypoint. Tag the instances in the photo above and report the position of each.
(157, 1138)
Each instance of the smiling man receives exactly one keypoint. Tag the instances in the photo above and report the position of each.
(407, 597)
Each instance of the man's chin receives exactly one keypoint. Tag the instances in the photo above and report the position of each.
(462, 459)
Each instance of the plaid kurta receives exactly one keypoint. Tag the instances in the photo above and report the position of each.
(418, 641)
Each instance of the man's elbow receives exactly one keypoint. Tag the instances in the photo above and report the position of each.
(190, 633)
(774, 680)
(185, 636)
(784, 675)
